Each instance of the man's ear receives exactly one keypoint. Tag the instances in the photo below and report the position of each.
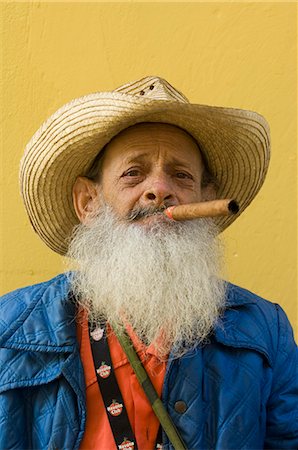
(208, 192)
(85, 196)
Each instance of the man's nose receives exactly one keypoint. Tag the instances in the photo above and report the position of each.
(159, 191)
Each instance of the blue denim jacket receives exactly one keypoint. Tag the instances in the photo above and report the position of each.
(240, 389)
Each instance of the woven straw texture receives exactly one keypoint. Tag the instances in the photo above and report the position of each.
(235, 144)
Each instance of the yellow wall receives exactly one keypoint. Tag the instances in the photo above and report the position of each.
(230, 54)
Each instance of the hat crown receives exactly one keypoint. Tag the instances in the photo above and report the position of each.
(155, 88)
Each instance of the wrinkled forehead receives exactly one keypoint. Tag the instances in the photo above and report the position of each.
(147, 140)
(142, 137)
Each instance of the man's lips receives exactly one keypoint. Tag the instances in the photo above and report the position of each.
(154, 218)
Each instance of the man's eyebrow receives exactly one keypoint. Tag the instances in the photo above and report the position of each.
(180, 162)
(135, 159)
(142, 158)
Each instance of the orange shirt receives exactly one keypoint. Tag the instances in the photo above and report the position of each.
(98, 434)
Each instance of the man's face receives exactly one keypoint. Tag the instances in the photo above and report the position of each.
(150, 165)
(177, 288)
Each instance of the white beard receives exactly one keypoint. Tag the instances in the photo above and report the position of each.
(164, 278)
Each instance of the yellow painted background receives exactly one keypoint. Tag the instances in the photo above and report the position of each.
(228, 54)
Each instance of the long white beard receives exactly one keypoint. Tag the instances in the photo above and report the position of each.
(164, 280)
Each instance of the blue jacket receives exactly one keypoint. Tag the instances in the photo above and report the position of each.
(240, 389)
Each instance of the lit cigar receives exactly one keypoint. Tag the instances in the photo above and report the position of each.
(214, 208)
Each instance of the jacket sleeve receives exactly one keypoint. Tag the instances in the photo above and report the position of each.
(282, 407)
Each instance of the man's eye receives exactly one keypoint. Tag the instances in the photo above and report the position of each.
(183, 175)
(131, 173)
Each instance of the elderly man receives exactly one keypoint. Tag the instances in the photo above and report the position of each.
(222, 360)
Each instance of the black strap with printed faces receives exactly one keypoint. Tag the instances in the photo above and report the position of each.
(112, 397)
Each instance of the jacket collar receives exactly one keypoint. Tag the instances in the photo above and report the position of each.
(242, 325)
(43, 320)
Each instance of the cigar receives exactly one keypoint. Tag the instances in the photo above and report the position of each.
(214, 208)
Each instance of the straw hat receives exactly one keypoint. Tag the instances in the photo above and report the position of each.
(235, 144)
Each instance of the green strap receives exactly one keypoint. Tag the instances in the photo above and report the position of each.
(144, 380)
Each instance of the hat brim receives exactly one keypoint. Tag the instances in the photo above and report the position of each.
(235, 144)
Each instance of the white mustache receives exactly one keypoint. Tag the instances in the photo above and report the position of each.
(141, 212)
